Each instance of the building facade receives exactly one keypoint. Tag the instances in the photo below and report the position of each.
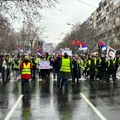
(105, 21)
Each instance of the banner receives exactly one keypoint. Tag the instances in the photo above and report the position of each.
(69, 52)
(44, 65)
(110, 53)
(48, 47)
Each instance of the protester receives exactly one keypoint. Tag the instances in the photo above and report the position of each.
(65, 71)
(57, 69)
(25, 68)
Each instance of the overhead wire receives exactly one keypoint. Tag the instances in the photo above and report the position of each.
(87, 4)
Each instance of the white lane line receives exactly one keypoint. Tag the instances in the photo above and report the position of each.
(39, 79)
(93, 107)
(13, 108)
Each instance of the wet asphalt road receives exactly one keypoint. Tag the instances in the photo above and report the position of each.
(47, 102)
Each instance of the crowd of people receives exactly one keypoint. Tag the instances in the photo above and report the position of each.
(63, 67)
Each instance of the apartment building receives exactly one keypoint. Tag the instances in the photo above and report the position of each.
(106, 21)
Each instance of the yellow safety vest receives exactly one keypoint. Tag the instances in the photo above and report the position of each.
(26, 69)
(108, 65)
(16, 66)
(48, 58)
(95, 61)
(89, 63)
(114, 61)
(100, 60)
(65, 67)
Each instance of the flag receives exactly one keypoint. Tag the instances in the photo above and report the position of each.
(39, 52)
(19, 49)
(84, 46)
(110, 53)
(73, 42)
(102, 46)
(81, 45)
(37, 49)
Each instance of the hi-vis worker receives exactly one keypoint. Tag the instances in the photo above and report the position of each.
(25, 68)
(65, 71)
(110, 70)
(91, 68)
(16, 67)
(76, 69)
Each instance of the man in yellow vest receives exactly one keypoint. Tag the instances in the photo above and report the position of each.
(16, 67)
(25, 68)
(110, 70)
(116, 62)
(65, 71)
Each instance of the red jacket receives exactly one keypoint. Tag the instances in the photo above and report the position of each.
(25, 76)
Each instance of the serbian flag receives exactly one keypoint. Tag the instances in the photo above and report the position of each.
(19, 49)
(84, 46)
(39, 53)
(102, 46)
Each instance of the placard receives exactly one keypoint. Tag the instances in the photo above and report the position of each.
(69, 52)
(48, 47)
(44, 65)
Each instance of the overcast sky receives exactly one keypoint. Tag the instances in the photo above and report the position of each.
(67, 11)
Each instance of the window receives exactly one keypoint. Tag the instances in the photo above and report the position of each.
(104, 19)
(104, 3)
(97, 17)
(107, 9)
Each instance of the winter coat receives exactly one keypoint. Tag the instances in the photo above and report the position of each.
(25, 76)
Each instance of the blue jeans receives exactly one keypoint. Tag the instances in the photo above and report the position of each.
(25, 86)
(33, 73)
(58, 78)
(64, 83)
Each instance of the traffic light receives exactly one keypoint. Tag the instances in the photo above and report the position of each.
(40, 43)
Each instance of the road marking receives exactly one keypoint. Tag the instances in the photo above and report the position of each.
(39, 79)
(13, 108)
(93, 107)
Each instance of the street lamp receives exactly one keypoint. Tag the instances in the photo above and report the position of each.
(71, 24)
(76, 35)
(59, 36)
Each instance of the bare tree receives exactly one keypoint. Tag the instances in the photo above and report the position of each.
(16, 9)
(4, 33)
(30, 35)
(22, 10)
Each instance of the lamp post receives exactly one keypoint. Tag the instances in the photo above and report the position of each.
(76, 35)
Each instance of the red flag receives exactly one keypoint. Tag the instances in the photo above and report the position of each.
(73, 42)
(38, 49)
(79, 43)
